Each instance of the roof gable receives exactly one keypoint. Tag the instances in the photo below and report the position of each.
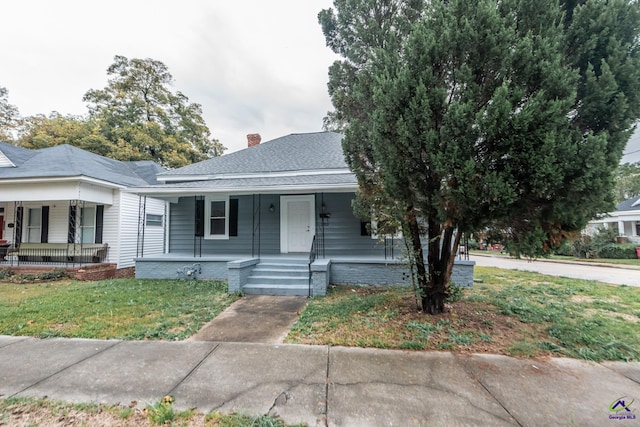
(15, 155)
(632, 204)
(5, 162)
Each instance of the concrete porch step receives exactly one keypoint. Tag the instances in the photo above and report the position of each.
(275, 289)
(279, 280)
(278, 277)
(280, 272)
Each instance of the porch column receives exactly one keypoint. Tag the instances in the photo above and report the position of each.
(142, 218)
(620, 228)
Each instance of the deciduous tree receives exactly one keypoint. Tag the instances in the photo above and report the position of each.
(9, 116)
(138, 108)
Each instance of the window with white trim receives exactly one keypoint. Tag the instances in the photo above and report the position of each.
(34, 224)
(217, 218)
(154, 220)
(87, 225)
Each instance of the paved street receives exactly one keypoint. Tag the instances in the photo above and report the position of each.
(617, 275)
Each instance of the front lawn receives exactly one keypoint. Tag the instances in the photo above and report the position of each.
(130, 309)
(511, 312)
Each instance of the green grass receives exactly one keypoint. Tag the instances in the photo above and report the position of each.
(512, 312)
(129, 309)
(583, 319)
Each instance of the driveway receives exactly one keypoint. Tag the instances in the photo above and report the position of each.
(617, 275)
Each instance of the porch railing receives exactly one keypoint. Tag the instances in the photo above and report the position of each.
(313, 254)
(73, 254)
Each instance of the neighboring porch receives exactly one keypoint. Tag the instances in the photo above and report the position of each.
(628, 226)
(55, 233)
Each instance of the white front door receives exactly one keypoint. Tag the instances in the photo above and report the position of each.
(297, 223)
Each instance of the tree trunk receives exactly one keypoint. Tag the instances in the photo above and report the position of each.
(433, 281)
(417, 254)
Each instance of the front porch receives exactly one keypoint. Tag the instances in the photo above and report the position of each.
(283, 274)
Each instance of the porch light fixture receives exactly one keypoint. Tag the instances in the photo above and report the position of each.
(272, 208)
(324, 215)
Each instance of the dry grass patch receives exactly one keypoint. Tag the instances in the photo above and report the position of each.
(511, 312)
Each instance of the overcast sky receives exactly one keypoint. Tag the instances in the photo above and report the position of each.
(254, 65)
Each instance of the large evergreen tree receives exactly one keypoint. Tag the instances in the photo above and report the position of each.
(461, 115)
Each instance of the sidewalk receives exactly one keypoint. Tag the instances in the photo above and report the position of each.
(321, 385)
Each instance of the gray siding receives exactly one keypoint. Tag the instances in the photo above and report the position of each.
(182, 229)
(341, 233)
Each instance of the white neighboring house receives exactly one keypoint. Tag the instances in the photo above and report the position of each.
(626, 219)
(66, 205)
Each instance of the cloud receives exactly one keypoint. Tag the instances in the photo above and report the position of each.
(254, 66)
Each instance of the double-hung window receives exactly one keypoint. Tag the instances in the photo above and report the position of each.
(217, 218)
(87, 225)
(34, 224)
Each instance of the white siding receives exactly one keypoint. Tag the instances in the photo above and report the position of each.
(128, 230)
(58, 222)
(110, 227)
(154, 235)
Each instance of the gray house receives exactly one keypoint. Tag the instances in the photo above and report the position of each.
(274, 218)
(63, 206)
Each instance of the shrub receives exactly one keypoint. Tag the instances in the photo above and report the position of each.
(618, 251)
(5, 273)
(455, 293)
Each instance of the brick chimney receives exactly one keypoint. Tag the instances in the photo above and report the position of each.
(253, 139)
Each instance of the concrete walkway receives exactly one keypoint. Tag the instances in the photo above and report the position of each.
(321, 385)
(254, 318)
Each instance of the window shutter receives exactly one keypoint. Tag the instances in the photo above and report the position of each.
(199, 218)
(99, 223)
(44, 228)
(233, 217)
(18, 225)
(71, 236)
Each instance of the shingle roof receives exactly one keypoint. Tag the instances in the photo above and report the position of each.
(68, 161)
(632, 204)
(295, 152)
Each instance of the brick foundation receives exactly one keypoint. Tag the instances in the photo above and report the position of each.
(86, 273)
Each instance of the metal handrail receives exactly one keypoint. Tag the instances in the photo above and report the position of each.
(66, 254)
(313, 253)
